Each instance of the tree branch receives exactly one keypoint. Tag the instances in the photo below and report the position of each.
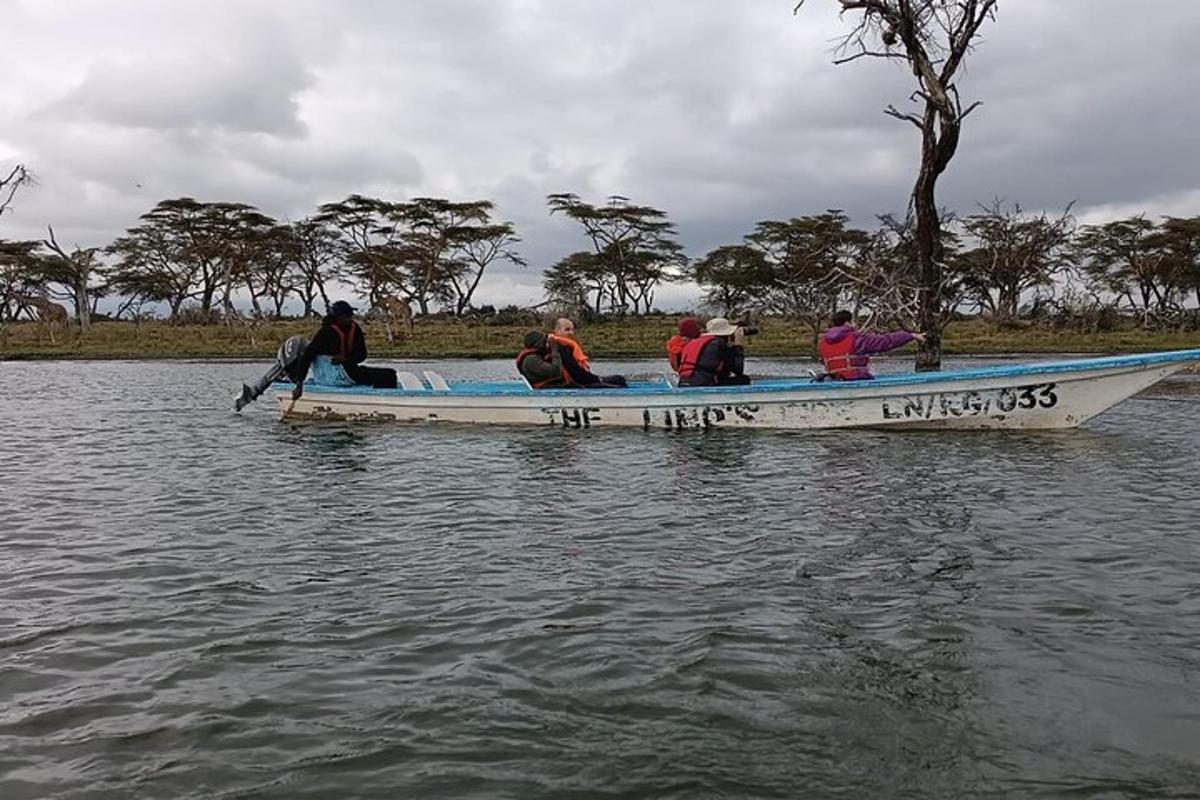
(892, 111)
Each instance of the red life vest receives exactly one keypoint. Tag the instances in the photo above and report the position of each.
(840, 359)
(690, 357)
(564, 380)
(580, 357)
(675, 347)
(346, 340)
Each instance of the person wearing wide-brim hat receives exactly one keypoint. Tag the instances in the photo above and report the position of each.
(715, 358)
(341, 340)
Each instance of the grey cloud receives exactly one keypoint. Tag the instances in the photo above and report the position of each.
(253, 92)
(721, 113)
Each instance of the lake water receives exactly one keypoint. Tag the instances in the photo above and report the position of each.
(198, 604)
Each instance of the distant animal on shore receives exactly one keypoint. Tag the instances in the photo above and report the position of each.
(394, 311)
(51, 315)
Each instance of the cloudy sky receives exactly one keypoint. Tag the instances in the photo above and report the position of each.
(720, 112)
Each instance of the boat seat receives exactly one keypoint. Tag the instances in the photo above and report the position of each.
(409, 381)
(436, 382)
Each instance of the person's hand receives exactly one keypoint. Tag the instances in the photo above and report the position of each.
(299, 390)
(920, 337)
(739, 336)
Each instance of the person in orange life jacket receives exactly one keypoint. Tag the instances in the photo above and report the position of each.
(540, 362)
(845, 350)
(688, 329)
(718, 358)
(340, 338)
(575, 362)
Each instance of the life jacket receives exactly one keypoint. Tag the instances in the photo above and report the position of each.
(346, 340)
(576, 351)
(690, 358)
(840, 359)
(675, 347)
(563, 380)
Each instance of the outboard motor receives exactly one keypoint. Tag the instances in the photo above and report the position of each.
(289, 354)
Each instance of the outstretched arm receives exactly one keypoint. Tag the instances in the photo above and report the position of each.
(866, 343)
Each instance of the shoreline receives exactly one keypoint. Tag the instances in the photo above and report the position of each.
(432, 340)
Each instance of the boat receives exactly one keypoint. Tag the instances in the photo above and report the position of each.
(1055, 394)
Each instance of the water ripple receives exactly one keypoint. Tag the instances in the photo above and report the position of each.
(200, 604)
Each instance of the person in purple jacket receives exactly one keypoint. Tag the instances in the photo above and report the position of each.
(845, 350)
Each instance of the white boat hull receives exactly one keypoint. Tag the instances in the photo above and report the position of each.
(1061, 395)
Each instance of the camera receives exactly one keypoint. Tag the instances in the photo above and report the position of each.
(749, 330)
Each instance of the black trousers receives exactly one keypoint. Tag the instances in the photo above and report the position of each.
(377, 377)
(728, 380)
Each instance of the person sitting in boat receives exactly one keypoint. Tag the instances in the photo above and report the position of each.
(845, 350)
(688, 329)
(717, 358)
(341, 341)
(540, 362)
(575, 362)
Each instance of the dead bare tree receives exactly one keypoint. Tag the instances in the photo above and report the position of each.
(932, 37)
(73, 271)
(17, 177)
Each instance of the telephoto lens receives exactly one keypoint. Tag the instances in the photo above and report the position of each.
(749, 330)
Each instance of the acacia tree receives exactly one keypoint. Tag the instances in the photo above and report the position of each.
(315, 250)
(579, 282)
(445, 248)
(476, 248)
(150, 267)
(1179, 240)
(367, 231)
(16, 257)
(931, 37)
(1014, 252)
(1127, 258)
(734, 277)
(807, 257)
(635, 244)
(19, 263)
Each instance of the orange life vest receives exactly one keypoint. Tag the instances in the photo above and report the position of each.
(675, 347)
(580, 357)
(840, 359)
(564, 380)
(690, 357)
(346, 340)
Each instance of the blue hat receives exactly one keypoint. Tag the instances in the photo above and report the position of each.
(341, 309)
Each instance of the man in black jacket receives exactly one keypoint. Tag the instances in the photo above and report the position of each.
(342, 340)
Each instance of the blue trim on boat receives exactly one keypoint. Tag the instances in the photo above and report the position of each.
(788, 384)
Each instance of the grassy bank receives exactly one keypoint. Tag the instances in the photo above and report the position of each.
(447, 339)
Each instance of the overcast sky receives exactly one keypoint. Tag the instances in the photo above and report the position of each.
(720, 112)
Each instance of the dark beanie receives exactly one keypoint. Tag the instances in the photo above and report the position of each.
(535, 339)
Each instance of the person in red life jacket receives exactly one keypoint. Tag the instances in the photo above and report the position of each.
(688, 329)
(342, 340)
(575, 362)
(540, 363)
(846, 350)
(716, 358)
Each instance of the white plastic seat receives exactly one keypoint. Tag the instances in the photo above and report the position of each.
(409, 381)
(436, 381)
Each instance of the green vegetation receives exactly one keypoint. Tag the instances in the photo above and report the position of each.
(432, 339)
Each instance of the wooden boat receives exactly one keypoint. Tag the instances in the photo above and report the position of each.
(1058, 394)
